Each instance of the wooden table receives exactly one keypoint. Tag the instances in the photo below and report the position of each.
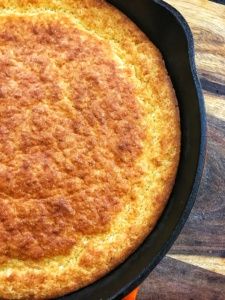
(195, 266)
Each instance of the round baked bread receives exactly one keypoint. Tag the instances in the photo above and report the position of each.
(89, 143)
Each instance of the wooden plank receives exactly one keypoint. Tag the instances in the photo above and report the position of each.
(204, 233)
(207, 22)
(213, 264)
(175, 280)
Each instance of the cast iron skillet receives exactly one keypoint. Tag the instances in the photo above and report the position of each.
(170, 32)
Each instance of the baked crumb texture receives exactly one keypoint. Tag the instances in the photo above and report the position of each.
(89, 143)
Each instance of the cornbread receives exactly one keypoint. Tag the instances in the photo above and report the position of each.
(89, 143)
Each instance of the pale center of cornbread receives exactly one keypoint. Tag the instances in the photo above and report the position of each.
(70, 135)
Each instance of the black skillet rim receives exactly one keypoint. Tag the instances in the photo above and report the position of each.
(202, 154)
(124, 290)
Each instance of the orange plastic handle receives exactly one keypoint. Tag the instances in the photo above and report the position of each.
(132, 295)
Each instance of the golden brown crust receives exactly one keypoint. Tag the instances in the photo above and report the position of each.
(70, 134)
(88, 158)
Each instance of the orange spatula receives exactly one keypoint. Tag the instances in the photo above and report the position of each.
(132, 295)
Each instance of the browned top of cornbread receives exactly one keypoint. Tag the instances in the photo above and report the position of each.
(89, 143)
(69, 137)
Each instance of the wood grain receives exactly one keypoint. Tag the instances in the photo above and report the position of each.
(204, 232)
(174, 280)
(195, 266)
(207, 21)
(213, 264)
